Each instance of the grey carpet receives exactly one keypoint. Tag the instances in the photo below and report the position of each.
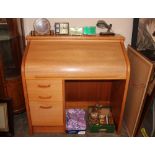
(21, 130)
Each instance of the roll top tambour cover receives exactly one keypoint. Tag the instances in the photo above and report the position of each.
(75, 57)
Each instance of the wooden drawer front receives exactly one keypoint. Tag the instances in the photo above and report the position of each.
(44, 90)
(49, 114)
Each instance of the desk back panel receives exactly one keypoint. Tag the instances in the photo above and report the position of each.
(87, 90)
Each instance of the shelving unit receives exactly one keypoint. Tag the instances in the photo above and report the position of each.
(11, 51)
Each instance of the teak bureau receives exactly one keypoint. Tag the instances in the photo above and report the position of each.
(62, 72)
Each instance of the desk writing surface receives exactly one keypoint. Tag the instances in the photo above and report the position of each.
(75, 59)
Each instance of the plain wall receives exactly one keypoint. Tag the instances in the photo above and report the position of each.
(121, 26)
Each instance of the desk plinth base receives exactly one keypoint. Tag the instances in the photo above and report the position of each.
(47, 129)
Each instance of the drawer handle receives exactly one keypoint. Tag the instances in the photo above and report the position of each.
(45, 97)
(45, 107)
(44, 86)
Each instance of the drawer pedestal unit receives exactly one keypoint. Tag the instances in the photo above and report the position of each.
(61, 72)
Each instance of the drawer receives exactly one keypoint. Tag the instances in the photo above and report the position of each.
(49, 114)
(44, 90)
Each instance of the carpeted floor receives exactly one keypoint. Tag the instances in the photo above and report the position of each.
(21, 130)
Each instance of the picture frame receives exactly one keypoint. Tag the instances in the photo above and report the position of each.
(143, 37)
(143, 34)
(61, 28)
(6, 118)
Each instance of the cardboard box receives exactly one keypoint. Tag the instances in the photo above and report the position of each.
(89, 30)
(100, 119)
(75, 121)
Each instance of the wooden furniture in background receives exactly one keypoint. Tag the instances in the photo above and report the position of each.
(61, 72)
(11, 50)
(141, 73)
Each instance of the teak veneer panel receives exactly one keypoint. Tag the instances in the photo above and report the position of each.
(45, 90)
(87, 90)
(75, 59)
(116, 38)
(141, 70)
(47, 114)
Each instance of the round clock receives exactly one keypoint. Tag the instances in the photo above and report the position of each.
(42, 26)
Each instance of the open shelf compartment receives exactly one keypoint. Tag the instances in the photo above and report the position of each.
(86, 93)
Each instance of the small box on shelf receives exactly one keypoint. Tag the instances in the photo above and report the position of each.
(75, 121)
(89, 30)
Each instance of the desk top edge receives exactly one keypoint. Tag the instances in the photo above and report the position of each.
(83, 37)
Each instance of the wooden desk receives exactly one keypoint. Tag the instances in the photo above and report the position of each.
(73, 72)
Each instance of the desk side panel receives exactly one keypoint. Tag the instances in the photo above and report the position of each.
(119, 94)
(25, 88)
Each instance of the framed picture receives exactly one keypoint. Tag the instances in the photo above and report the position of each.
(6, 118)
(143, 36)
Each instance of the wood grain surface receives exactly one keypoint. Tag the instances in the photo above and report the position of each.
(63, 72)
